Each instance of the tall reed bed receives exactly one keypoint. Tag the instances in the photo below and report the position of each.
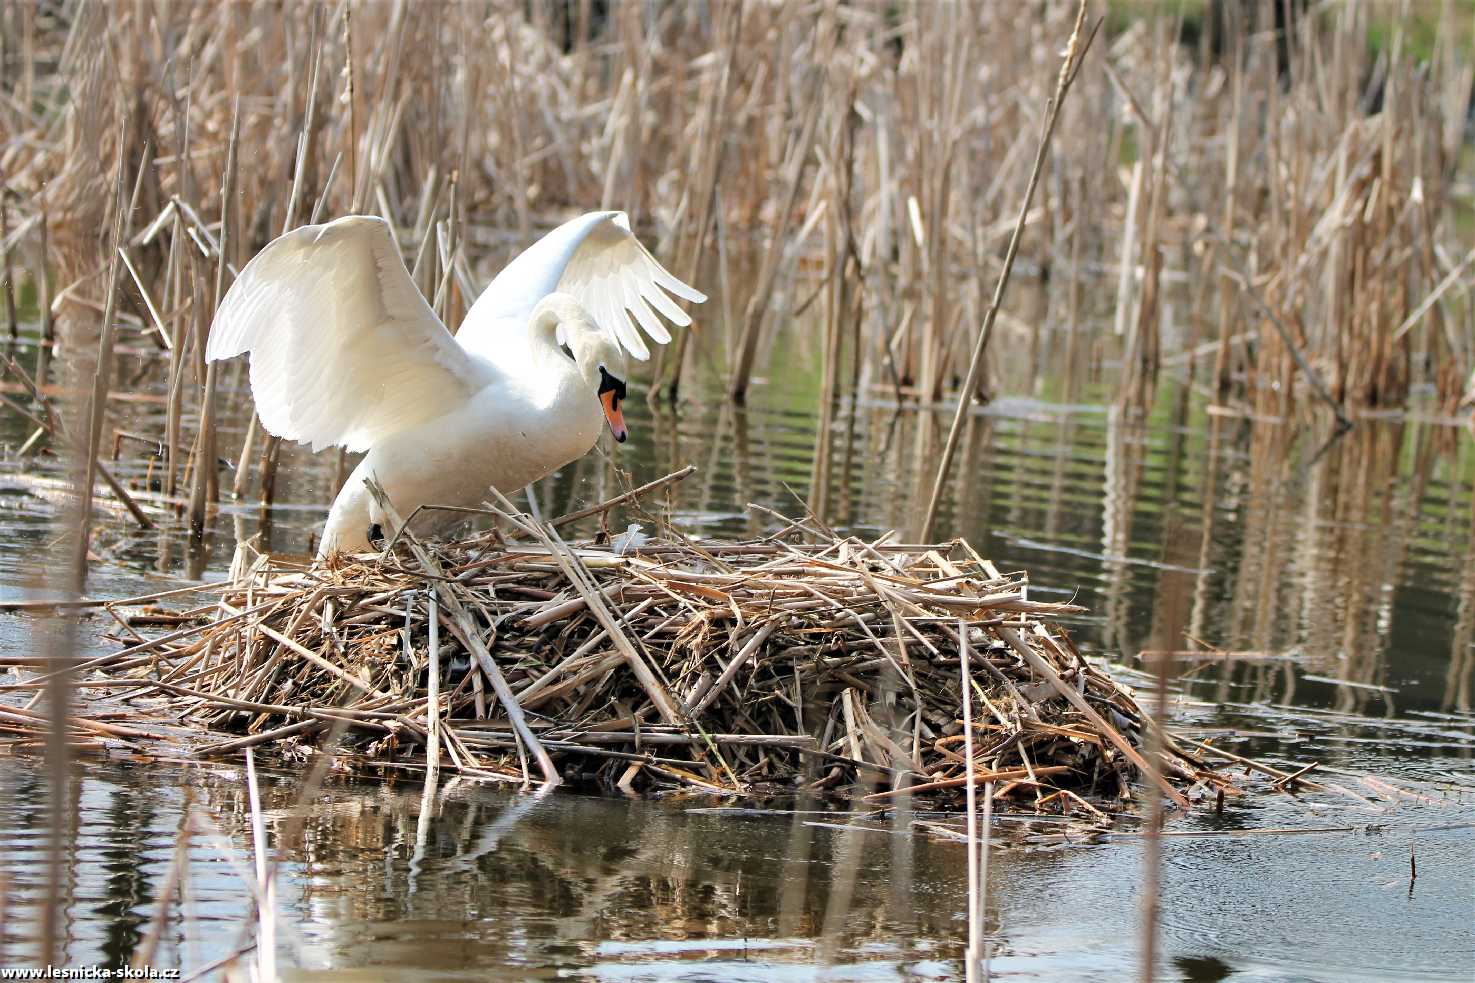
(1269, 203)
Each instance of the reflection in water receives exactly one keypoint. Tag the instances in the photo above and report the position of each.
(1457, 680)
(493, 885)
(547, 883)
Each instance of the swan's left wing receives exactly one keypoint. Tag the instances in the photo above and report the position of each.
(344, 349)
(596, 259)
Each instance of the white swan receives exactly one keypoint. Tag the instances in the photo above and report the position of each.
(345, 351)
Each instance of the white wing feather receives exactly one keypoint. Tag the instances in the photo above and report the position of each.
(344, 349)
(597, 260)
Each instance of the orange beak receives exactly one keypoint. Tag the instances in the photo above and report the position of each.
(614, 415)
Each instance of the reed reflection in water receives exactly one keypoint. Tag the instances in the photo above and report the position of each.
(481, 883)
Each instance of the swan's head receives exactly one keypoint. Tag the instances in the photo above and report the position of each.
(601, 362)
(562, 320)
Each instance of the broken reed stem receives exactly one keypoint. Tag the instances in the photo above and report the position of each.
(243, 462)
(621, 499)
(1075, 53)
(432, 753)
(975, 898)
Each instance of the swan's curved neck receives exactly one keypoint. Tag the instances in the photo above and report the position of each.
(555, 309)
(564, 383)
(560, 314)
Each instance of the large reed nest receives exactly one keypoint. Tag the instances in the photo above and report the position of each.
(803, 659)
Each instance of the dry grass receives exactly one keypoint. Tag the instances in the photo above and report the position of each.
(1301, 183)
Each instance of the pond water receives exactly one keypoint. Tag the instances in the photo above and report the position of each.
(1341, 575)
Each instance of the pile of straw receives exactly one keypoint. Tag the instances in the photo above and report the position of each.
(801, 659)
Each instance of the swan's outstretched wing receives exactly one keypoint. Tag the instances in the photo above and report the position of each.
(599, 261)
(344, 349)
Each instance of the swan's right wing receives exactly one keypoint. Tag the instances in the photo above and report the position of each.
(596, 259)
(344, 349)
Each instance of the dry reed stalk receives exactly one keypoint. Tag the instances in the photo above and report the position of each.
(1070, 64)
(1152, 842)
(842, 295)
(204, 489)
(42, 275)
(701, 208)
(174, 404)
(433, 695)
(103, 372)
(8, 271)
(243, 461)
(1142, 355)
(942, 77)
(987, 838)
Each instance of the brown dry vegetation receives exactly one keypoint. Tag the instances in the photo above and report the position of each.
(1302, 184)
